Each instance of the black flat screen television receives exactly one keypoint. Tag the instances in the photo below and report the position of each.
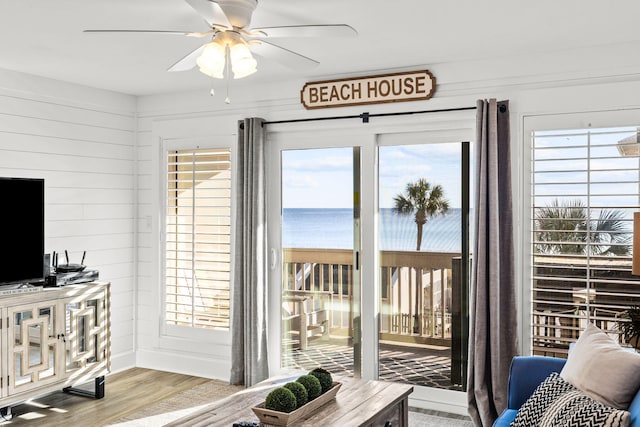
(22, 222)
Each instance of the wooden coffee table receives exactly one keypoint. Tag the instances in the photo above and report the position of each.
(358, 403)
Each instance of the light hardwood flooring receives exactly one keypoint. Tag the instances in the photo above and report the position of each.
(125, 392)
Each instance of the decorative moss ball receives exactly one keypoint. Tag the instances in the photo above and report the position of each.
(324, 376)
(299, 392)
(311, 383)
(281, 400)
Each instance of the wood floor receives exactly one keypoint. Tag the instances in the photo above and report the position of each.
(125, 393)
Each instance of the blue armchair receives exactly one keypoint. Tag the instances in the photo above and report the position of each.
(527, 372)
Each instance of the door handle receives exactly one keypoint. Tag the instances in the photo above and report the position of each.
(274, 259)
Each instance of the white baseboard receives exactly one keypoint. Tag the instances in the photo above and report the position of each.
(453, 402)
(196, 365)
(123, 361)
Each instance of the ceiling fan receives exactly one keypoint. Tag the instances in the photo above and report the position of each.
(232, 40)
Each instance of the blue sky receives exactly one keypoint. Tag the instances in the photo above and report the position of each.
(322, 178)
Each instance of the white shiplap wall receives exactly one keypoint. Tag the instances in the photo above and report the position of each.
(82, 142)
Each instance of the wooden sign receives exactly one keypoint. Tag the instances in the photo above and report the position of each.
(396, 87)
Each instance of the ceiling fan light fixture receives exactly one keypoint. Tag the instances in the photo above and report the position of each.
(211, 61)
(243, 63)
(231, 35)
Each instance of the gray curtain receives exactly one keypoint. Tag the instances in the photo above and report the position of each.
(492, 318)
(249, 363)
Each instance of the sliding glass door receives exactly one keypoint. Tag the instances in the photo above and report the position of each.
(320, 245)
(423, 204)
(367, 287)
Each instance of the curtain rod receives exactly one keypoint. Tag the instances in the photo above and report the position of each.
(366, 116)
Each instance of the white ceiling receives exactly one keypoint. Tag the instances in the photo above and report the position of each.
(44, 37)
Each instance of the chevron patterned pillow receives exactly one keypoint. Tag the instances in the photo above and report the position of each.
(557, 403)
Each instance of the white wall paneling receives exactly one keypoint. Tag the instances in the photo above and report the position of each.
(82, 142)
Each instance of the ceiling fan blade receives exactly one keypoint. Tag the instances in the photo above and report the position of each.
(181, 33)
(188, 62)
(286, 57)
(330, 30)
(211, 12)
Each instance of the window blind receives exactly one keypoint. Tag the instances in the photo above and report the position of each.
(585, 188)
(198, 238)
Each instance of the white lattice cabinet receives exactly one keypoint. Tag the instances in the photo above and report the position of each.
(54, 339)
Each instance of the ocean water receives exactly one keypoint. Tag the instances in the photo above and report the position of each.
(333, 228)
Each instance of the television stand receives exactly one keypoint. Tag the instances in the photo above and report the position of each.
(97, 393)
(53, 339)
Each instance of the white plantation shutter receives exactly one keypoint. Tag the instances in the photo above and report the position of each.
(198, 239)
(581, 273)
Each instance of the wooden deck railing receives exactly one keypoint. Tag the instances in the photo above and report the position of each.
(571, 290)
(416, 291)
(553, 331)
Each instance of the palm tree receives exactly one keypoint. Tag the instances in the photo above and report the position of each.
(567, 229)
(422, 201)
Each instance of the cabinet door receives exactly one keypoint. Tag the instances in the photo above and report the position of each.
(3, 352)
(32, 346)
(86, 333)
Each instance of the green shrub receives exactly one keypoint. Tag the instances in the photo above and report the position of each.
(311, 383)
(280, 399)
(299, 392)
(324, 376)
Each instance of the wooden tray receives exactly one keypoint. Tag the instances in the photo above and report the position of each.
(277, 418)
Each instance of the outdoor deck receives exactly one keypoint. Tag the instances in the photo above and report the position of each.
(428, 366)
(417, 299)
(421, 301)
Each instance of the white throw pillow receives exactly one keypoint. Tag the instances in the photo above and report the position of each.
(602, 369)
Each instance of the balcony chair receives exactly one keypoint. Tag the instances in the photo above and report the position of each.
(305, 314)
